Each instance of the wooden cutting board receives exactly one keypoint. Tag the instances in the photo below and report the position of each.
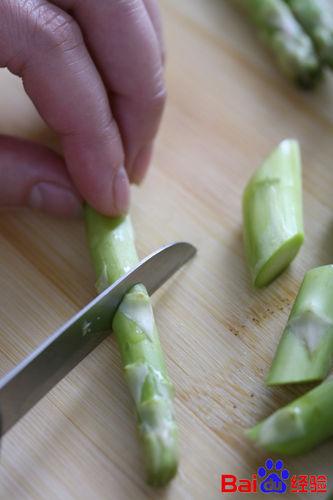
(228, 107)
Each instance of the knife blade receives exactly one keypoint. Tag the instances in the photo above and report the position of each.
(35, 376)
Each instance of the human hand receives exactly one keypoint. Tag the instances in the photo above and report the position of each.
(94, 71)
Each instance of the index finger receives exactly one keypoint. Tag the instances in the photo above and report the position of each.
(44, 45)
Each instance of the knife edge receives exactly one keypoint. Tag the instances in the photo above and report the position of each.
(41, 370)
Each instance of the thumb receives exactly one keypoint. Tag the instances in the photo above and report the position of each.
(32, 175)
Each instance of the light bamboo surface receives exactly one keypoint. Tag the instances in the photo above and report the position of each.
(228, 107)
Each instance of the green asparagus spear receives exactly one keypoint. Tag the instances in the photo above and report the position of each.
(316, 17)
(285, 37)
(272, 213)
(113, 253)
(305, 352)
(299, 426)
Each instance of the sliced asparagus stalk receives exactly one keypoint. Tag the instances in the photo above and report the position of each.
(272, 213)
(113, 253)
(305, 352)
(299, 426)
(316, 17)
(285, 37)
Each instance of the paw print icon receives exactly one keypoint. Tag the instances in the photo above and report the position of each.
(273, 477)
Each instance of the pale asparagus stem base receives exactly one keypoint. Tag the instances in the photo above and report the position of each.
(316, 17)
(305, 352)
(285, 37)
(300, 426)
(272, 214)
(113, 253)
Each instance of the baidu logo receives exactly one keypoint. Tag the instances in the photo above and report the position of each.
(273, 477)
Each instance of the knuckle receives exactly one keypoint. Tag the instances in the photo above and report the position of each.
(157, 98)
(57, 28)
(37, 27)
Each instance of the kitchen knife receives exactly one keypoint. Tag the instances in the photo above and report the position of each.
(29, 381)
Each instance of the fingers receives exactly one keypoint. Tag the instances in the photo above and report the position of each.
(124, 45)
(31, 175)
(44, 45)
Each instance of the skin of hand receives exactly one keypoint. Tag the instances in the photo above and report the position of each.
(94, 71)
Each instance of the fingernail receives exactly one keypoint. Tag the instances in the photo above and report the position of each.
(121, 191)
(54, 199)
(141, 164)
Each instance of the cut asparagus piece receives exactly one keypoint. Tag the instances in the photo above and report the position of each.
(316, 17)
(285, 37)
(113, 253)
(299, 426)
(272, 213)
(305, 352)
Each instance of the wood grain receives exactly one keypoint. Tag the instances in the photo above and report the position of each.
(228, 107)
